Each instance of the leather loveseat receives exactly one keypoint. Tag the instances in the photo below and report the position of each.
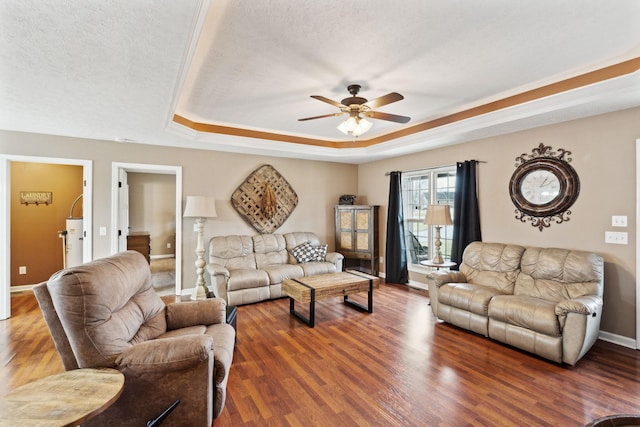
(248, 269)
(547, 301)
(106, 314)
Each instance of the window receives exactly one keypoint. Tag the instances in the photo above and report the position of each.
(420, 189)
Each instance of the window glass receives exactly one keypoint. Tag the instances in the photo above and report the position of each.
(419, 190)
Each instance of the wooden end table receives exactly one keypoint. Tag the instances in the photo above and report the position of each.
(313, 288)
(65, 399)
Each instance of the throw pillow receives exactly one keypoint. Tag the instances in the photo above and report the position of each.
(304, 252)
(321, 252)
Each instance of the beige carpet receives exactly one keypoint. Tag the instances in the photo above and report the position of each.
(163, 275)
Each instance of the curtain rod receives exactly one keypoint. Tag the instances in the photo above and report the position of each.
(431, 167)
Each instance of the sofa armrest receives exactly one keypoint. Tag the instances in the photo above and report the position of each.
(583, 305)
(218, 270)
(190, 313)
(439, 278)
(332, 257)
(166, 354)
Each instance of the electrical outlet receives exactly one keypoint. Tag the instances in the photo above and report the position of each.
(616, 237)
(22, 269)
(168, 245)
(103, 231)
(381, 260)
(619, 221)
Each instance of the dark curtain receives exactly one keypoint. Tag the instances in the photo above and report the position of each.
(395, 253)
(466, 215)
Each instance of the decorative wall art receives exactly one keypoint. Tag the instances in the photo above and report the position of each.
(265, 199)
(36, 197)
(544, 186)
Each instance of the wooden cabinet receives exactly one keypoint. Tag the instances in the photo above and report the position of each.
(357, 237)
(140, 241)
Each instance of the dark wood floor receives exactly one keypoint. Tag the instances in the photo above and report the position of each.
(395, 367)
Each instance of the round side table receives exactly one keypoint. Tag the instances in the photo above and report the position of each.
(429, 263)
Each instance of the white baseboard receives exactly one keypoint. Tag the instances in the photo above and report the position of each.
(617, 339)
(162, 256)
(21, 288)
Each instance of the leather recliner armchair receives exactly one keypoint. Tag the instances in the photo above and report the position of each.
(106, 314)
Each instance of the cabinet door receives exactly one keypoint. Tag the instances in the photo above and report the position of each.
(345, 218)
(363, 230)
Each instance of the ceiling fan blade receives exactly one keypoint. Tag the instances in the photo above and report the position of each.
(389, 117)
(319, 117)
(384, 100)
(328, 101)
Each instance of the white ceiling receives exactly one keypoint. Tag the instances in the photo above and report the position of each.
(120, 70)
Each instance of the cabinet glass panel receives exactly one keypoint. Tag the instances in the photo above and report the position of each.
(362, 220)
(362, 241)
(345, 220)
(345, 240)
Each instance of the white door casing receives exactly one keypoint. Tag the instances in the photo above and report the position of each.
(116, 172)
(5, 217)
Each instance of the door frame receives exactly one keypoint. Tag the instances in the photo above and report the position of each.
(637, 243)
(116, 167)
(5, 216)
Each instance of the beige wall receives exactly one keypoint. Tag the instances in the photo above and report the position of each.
(152, 208)
(604, 155)
(206, 173)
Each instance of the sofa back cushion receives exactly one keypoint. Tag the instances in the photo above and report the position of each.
(494, 265)
(233, 252)
(559, 274)
(270, 249)
(106, 306)
(295, 239)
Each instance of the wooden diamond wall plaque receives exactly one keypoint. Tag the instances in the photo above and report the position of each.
(265, 199)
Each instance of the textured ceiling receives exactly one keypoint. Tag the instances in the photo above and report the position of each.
(125, 69)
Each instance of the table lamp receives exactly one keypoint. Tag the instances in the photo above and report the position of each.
(438, 216)
(201, 208)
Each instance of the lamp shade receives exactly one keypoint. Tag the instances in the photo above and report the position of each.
(200, 207)
(438, 215)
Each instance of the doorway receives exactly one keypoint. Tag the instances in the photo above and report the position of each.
(5, 217)
(122, 222)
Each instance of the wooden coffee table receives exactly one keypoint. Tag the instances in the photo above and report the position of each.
(69, 398)
(313, 288)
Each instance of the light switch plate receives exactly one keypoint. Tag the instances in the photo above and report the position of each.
(103, 231)
(616, 237)
(619, 221)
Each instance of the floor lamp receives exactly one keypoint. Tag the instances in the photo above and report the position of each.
(200, 208)
(438, 216)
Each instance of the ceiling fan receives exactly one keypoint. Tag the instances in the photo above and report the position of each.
(358, 108)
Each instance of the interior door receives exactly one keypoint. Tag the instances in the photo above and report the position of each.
(123, 210)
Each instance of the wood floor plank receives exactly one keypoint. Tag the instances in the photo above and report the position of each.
(397, 366)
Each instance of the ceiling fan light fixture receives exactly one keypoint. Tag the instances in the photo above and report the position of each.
(355, 126)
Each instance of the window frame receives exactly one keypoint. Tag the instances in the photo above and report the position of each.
(441, 189)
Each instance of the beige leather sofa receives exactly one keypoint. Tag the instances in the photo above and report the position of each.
(547, 301)
(106, 314)
(248, 269)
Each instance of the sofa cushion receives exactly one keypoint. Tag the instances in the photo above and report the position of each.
(321, 252)
(279, 272)
(270, 249)
(232, 252)
(467, 296)
(245, 279)
(530, 313)
(304, 252)
(492, 264)
(559, 274)
(314, 268)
